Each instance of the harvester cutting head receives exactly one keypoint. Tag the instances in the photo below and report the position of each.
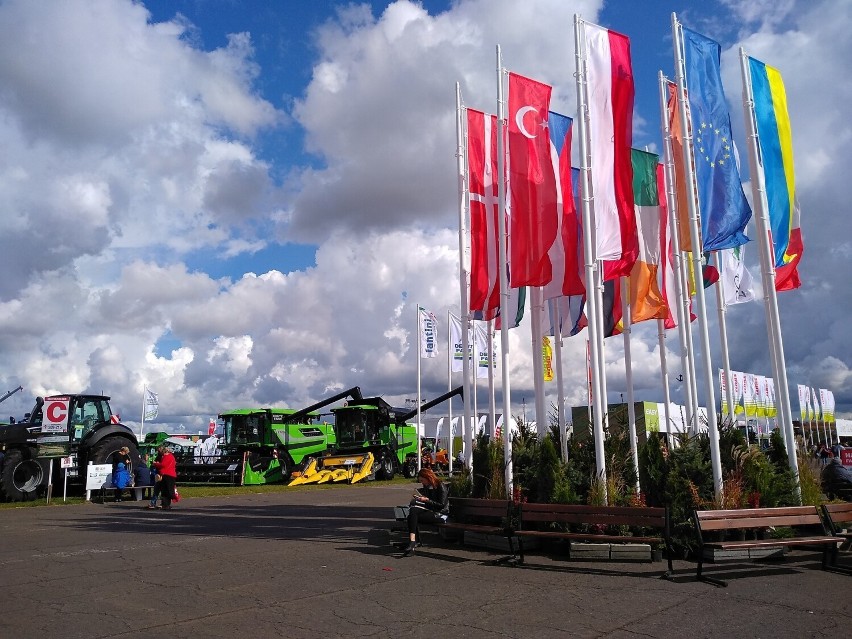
(336, 468)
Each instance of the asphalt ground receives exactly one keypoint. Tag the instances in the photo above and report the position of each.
(305, 564)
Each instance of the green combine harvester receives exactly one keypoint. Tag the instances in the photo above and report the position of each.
(259, 446)
(373, 441)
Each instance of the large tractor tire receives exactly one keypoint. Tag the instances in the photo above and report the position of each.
(20, 477)
(104, 451)
(386, 468)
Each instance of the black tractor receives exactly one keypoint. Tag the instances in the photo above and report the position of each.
(81, 427)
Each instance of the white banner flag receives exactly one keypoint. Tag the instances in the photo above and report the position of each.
(152, 404)
(428, 334)
(456, 340)
(480, 340)
(737, 282)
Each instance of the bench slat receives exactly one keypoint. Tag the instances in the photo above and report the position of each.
(838, 513)
(589, 537)
(608, 520)
(795, 541)
(746, 513)
(761, 522)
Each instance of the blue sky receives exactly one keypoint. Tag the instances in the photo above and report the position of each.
(246, 200)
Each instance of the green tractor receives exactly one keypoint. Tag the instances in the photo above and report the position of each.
(373, 442)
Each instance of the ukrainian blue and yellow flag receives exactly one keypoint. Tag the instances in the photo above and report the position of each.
(776, 154)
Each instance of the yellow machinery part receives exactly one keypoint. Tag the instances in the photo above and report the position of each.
(337, 468)
(308, 476)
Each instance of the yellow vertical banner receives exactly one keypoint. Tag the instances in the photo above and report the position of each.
(547, 358)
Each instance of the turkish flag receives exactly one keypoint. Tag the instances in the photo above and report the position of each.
(531, 184)
(211, 429)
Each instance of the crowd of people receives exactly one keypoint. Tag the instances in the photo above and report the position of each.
(159, 472)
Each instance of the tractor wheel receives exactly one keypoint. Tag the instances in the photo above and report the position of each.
(386, 470)
(409, 468)
(286, 464)
(20, 477)
(104, 450)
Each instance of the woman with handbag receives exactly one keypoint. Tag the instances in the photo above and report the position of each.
(166, 466)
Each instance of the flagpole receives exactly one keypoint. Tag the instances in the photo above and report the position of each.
(144, 396)
(768, 272)
(681, 291)
(537, 304)
(450, 351)
(591, 265)
(721, 308)
(464, 272)
(504, 288)
(695, 232)
(628, 371)
(664, 370)
(492, 396)
(419, 355)
(560, 382)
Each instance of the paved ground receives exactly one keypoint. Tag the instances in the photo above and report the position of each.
(299, 564)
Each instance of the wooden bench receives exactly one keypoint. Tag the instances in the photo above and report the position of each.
(758, 521)
(836, 515)
(486, 516)
(538, 520)
(137, 491)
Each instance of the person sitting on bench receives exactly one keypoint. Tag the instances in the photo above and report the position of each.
(430, 505)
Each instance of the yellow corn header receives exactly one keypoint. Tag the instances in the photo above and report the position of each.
(336, 468)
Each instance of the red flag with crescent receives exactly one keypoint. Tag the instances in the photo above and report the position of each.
(531, 184)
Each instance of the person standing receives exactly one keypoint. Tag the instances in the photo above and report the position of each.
(430, 505)
(167, 469)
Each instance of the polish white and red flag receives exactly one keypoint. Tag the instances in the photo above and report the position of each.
(483, 193)
(533, 209)
(610, 94)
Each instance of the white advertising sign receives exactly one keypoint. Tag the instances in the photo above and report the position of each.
(98, 475)
(55, 414)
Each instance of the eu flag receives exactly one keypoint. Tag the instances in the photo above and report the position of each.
(724, 208)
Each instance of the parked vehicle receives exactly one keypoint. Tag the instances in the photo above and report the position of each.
(373, 442)
(82, 427)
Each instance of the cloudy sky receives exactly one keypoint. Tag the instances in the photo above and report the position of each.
(242, 203)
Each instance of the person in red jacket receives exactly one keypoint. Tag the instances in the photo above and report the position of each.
(167, 468)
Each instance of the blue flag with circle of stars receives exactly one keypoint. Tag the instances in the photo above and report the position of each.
(724, 208)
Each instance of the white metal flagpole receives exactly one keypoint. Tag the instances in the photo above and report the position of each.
(144, 397)
(628, 372)
(681, 291)
(695, 231)
(464, 271)
(560, 381)
(537, 304)
(450, 351)
(492, 398)
(723, 338)
(504, 284)
(773, 323)
(419, 355)
(592, 308)
(664, 372)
